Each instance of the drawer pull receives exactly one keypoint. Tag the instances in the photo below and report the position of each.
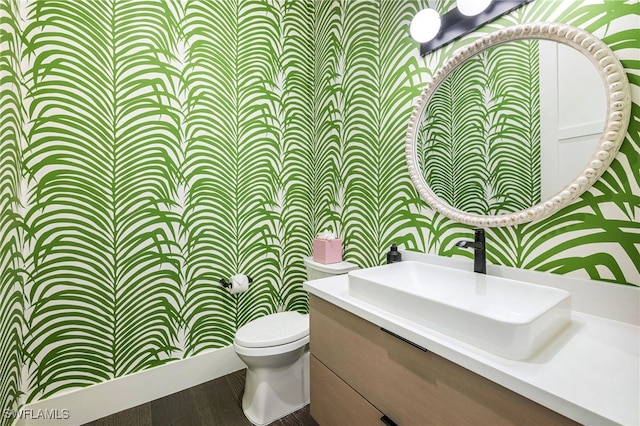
(415, 345)
(387, 421)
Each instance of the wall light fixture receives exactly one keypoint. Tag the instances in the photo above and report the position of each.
(425, 25)
(472, 7)
(433, 31)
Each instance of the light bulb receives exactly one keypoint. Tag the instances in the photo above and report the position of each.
(472, 7)
(425, 25)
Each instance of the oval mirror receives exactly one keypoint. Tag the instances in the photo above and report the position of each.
(518, 124)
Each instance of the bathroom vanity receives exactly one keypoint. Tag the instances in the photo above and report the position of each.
(371, 366)
(361, 373)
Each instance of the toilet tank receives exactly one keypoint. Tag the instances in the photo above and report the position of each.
(316, 270)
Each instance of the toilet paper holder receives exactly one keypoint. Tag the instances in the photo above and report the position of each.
(227, 284)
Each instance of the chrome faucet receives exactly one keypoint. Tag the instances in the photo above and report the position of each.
(479, 250)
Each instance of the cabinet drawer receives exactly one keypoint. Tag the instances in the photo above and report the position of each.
(413, 387)
(334, 403)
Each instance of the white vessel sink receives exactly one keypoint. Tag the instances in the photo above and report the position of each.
(509, 318)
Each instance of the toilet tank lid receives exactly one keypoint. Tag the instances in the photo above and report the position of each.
(273, 330)
(330, 268)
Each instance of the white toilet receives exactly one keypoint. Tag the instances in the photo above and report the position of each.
(275, 349)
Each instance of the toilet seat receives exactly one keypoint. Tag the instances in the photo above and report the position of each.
(273, 330)
(271, 350)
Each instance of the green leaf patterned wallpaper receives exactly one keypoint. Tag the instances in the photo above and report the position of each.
(150, 148)
(155, 147)
(11, 231)
(373, 70)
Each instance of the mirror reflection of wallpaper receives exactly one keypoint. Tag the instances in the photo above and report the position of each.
(479, 140)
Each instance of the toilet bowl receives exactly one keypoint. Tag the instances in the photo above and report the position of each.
(275, 349)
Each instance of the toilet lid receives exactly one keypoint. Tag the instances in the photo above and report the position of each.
(273, 330)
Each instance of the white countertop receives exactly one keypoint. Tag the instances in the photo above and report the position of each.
(589, 373)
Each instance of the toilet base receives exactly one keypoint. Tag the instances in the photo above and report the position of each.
(272, 393)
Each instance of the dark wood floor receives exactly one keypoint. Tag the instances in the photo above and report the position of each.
(218, 402)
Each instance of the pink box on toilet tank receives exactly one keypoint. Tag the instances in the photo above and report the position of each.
(327, 251)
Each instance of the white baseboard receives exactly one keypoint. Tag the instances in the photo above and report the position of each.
(103, 399)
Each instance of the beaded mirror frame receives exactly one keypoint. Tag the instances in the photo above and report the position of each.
(618, 111)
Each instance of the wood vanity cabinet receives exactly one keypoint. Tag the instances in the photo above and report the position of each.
(360, 373)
